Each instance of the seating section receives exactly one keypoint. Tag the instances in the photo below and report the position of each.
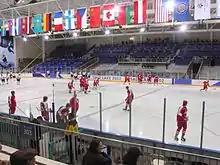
(63, 59)
(149, 50)
(204, 49)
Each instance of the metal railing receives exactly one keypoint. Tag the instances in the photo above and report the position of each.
(54, 143)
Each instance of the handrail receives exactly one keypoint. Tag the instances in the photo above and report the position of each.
(188, 68)
(31, 62)
(113, 140)
(200, 67)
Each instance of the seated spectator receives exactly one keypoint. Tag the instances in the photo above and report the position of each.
(131, 157)
(95, 156)
(23, 157)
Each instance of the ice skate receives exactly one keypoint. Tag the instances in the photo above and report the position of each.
(183, 139)
(176, 138)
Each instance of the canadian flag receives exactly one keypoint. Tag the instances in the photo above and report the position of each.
(108, 15)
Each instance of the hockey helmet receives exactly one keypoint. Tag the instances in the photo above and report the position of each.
(185, 102)
(45, 98)
(12, 92)
(67, 105)
(127, 87)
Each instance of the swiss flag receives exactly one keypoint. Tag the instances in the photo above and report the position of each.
(108, 15)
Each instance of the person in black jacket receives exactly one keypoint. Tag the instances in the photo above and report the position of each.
(131, 157)
(95, 156)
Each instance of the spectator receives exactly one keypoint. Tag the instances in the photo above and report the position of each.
(23, 157)
(4, 162)
(95, 156)
(132, 156)
(0, 147)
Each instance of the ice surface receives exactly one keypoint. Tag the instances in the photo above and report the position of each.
(147, 108)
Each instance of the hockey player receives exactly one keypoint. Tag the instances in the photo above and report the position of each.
(156, 80)
(48, 74)
(44, 108)
(182, 119)
(127, 79)
(96, 83)
(12, 103)
(86, 86)
(140, 78)
(7, 77)
(3, 79)
(75, 75)
(129, 98)
(11, 75)
(63, 113)
(70, 86)
(74, 104)
(82, 82)
(18, 79)
(149, 78)
(205, 86)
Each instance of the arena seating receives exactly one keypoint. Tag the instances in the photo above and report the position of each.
(63, 59)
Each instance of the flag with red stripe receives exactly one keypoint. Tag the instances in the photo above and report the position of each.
(140, 11)
(162, 14)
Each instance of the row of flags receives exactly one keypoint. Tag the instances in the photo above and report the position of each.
(105, 15)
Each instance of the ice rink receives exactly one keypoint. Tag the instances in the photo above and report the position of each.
(147, 108)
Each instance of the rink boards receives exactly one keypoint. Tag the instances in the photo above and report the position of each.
(170, 81)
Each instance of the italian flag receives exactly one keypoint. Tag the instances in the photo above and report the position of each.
(124, 16)
(140, 11)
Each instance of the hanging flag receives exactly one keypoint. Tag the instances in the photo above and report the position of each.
(23, 25)
(29, 25)
(47, 22)
(58, 21)
(95, 13)
(11, 25)
(124, 15)
(1, 24)
(181, 10)
(162, 13)
(18, 26)
(81, 18)
(108, 15)
(217, 8)
(140, 11)
(202, 9)
(4, 28)
(69, 19)
(37, 22)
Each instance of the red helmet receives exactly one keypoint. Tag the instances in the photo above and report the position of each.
(184, 102)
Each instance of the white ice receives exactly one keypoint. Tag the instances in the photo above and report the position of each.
(147, 108)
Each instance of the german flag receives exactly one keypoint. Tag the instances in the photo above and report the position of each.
(47, 22)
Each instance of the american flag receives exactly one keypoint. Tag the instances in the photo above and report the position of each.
(162, 14)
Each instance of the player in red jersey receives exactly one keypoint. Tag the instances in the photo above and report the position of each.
(12, 103)
(74, 104)
(149, 78)
(95, 83)
(156, 80)
(63, 113)
(182, 119)
(127, 79)
(129, 98)
(44, 108)
(70, 86)
(140, 78)
(82, 82)
(205, 86)
(86, 86)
